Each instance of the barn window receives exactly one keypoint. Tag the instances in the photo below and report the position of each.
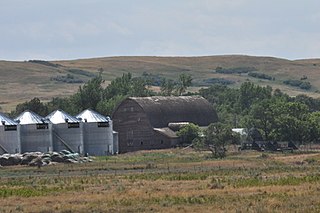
(141, 143)
(161, 141)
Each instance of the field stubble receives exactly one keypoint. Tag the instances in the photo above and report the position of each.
(167, 181)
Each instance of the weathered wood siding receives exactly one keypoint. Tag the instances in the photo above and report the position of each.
(135, 130)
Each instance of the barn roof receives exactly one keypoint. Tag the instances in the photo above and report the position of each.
(59, 116)
(89, 115)
(29, 117)
(164, 110)
(5, 120)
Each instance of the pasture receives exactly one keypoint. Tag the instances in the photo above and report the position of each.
(174, 180)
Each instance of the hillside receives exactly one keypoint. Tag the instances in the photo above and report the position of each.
(21, 81)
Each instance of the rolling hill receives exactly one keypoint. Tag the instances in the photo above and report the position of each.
(22, 81)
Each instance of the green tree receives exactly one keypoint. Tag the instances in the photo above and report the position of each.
(217, 136)
(189, 132)
(262, 117)
(251, 93)
(167, 87)
(106, 107)
(183, 83)
(89, 95)
(34, 105)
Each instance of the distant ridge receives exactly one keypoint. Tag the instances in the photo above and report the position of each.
(21, 81)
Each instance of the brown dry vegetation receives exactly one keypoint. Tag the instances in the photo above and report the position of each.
(168, 181)
(22, 81)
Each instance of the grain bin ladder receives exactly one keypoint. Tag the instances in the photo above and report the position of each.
(63, 142)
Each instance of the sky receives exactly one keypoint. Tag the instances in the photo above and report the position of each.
(73, 29)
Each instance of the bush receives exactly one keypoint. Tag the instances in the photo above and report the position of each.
(235, 70)
(70, 79)
(82, 72)
(189, 132)
(260, 75)
(221, 81)
(298, 83)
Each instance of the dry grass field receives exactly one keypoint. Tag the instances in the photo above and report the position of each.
(22, 81)
(174, 180)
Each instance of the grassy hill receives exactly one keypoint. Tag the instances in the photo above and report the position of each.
(21, 81)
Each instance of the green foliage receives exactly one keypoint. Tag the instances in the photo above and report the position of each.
(217, 136)
(89, 95)
(45, 63)
(183, 83)
(82, 72)
(251, 93)
(34, 105)
(106, 107)
(211, 81)
(189, 132)
(298, 83)
(235, 70)
(152, 79)
(70, 79)
(260, 75)
(167, 87)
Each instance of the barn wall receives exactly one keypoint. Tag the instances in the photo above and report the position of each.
(135, 131)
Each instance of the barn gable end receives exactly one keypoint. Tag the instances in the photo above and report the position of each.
(142, 122)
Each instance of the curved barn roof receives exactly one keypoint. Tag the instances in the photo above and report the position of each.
(164, 110)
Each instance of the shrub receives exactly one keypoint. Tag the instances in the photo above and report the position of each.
(235, 70)
(298, 83)
(260, 75)
(70, 79)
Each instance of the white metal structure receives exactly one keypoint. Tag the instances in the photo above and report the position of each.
(9, 135)
(67, 132)
(35, 132)
(98, 134)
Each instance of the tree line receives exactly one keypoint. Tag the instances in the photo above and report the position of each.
(275, 114)
(94, 96)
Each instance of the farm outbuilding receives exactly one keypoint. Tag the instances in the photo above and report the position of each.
(9, 135)
(143, 122)
(35, 132)
(67, 132)
(97, 133)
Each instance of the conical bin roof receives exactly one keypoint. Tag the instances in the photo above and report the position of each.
(89, 115)
(59, 116)
(29, 117)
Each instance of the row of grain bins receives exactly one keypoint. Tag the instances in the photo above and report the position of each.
(87, 133)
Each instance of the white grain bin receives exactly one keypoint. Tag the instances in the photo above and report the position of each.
(9, 135)
(35, 132)
(67, 132)
(97, 133)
